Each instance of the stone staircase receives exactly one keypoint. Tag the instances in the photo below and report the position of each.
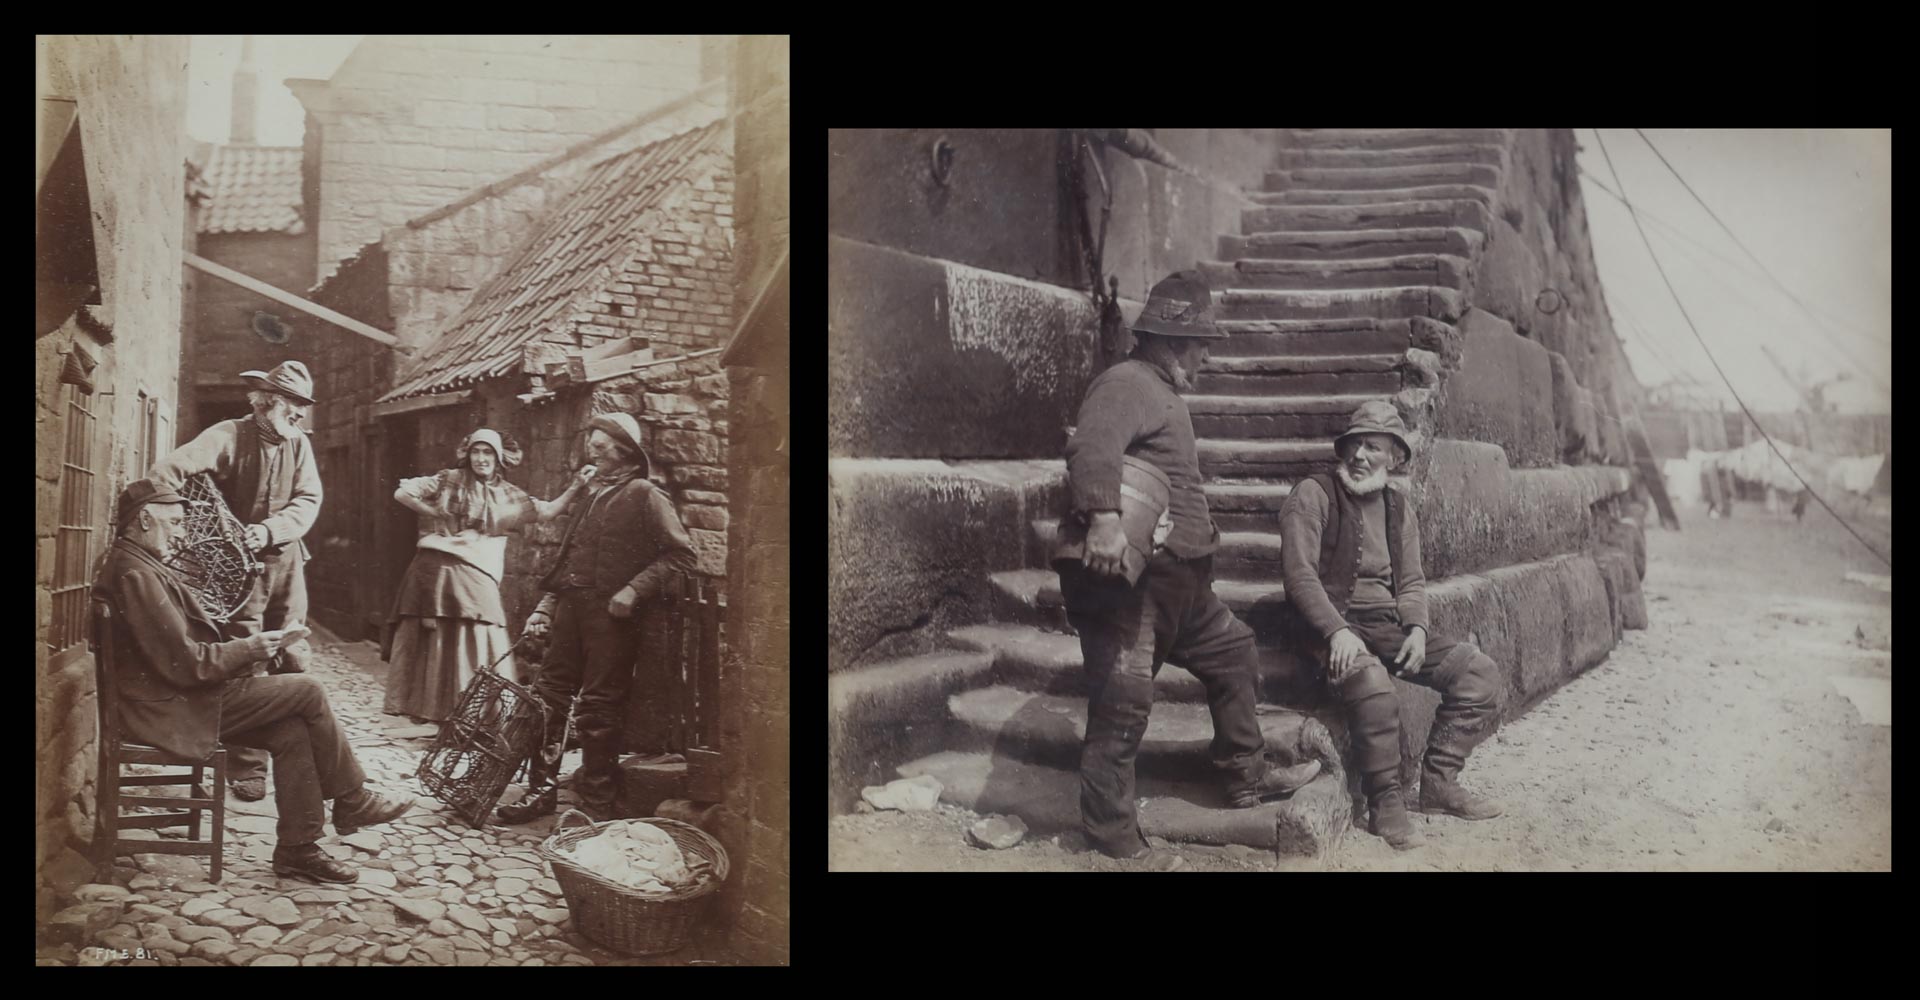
(1359, 246)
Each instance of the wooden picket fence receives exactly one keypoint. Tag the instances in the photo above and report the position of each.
(692, 608)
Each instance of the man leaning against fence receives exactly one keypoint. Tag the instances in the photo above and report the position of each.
(620, 549)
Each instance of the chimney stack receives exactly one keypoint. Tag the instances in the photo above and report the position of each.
(246, 83)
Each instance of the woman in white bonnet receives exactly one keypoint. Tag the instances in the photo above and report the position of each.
(447, 621)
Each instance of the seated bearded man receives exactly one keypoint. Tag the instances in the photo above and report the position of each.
(1350, 554)
(182, 690)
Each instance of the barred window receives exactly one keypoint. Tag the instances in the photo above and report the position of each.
(73, 552)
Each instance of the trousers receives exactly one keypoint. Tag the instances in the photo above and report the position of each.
(1125, 634)
(289, 718)
(1471, 695)
(279, 597)
(591, 652)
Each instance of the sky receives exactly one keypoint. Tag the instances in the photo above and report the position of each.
(210, 66)
(1814, 206)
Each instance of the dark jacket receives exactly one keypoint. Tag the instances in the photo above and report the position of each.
(633, 538)
(1320, 552)
(1131, 409)
(169, 665)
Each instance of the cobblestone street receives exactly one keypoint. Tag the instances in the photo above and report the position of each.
(431, 890)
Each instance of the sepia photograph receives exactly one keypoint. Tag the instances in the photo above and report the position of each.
(1353, 500)
(411, 543)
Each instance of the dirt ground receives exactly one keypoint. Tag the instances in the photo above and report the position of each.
(1714, 740)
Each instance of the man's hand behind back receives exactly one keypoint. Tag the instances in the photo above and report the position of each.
(1106, 544)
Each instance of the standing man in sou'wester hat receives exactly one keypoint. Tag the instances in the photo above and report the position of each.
(264, 467)
(1134, 438)
(621, 546)
(1350, 555)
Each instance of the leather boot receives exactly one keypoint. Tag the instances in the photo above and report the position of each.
(1276, 781)
(598, 782)
(1387, 815)
(1441, 792)
(309, 862)
(366, 807)
(543, 793)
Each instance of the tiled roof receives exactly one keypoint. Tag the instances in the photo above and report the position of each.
(256, 189)
(573, 253)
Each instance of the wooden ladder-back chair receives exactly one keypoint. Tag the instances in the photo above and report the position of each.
(114, 752)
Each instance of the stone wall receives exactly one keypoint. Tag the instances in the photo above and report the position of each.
(970, 296)
(755, 716)
(130, 96)
(1537, 275)
(415, 122)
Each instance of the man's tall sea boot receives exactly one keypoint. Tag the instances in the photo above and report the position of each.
(1440, 789)
(1387, 811)
(598, 782)
(1373, 723)
(1466, 717)
(543, 792)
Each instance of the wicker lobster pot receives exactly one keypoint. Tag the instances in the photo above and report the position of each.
(497, 725)
(622, 918)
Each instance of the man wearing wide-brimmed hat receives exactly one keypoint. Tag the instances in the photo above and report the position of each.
(1350, 554)
(620, 548)
(1136, 571)
(263, 466)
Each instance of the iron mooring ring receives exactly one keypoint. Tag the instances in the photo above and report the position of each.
(1549, 295)
(942, 161)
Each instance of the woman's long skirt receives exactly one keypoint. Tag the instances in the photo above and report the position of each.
(447, 625)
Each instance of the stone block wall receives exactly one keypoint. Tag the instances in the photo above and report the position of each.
(414, 122)
(753, 819)
(129, 92)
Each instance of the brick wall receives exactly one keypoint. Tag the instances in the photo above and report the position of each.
(412, 123)
(130, 94)
(753, 821)
(223, 342)
(677, 289)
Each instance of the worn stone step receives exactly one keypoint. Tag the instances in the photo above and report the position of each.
(1296, 364)
(880, 715)
(1236, 506)
(1277, 383)
(1490, 154)
(1444, 270)
(1309, 822)
(1319, 196)
(1250, 555)
(1271, 416)
(1043, 728)
(1393, 138)
(1032, 660)
(1444, 304)
(1222, 457)
(1358, 335)
(1382, 178)
(1029, 597)
(1393, 215)
(1352, 244)
(1248, 596)
(1246, 496)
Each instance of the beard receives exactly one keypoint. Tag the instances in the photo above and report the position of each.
(1373, 483)
(279, 419)
(1182, 378)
